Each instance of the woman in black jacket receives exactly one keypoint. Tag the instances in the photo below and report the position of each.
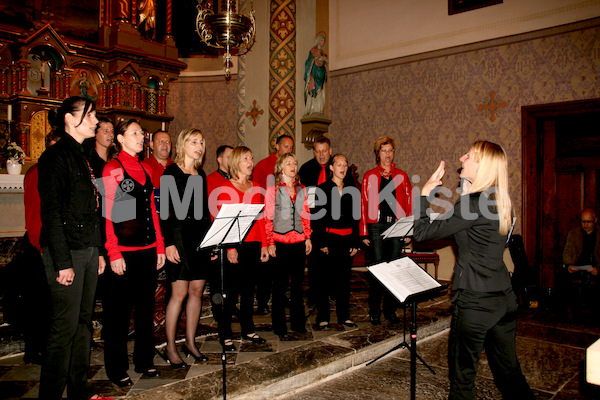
(336, 235)
(70, 240)
(187, 268)
(485, 307)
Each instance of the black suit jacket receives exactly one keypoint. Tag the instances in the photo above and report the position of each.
(479, 264)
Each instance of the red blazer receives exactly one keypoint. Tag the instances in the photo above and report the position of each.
(369, 204)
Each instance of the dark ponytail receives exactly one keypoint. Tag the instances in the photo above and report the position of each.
(56, 117)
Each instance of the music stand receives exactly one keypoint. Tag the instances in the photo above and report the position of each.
(230, 226)
(410, 284)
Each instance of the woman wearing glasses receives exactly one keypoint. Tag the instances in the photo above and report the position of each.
(376, 216)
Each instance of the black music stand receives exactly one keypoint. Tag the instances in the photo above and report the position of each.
(410, 284)
(230, 226)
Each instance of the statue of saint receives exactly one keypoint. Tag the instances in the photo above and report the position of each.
(147, 19)
(315, 76)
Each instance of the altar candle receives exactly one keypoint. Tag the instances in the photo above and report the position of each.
(9, 112)
(163, 126)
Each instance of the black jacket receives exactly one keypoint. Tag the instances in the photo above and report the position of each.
(345, 218)
(68, 201)
(479, 264)
(310, 170)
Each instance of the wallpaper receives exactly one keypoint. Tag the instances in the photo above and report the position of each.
(436, 108)
(207, 104)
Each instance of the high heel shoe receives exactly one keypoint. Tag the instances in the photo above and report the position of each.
(187, 352)
(181, 365)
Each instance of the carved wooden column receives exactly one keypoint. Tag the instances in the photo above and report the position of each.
(14, 79)
(122, 11)
(104, 94)
(56, 85)
(169, 23)
(67, 83)
(23, 66)
(143, 98)
(4, 82)
(135, 95)
(117, 93)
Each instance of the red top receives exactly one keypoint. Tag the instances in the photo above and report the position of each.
(112, 177)
(263, 169)
(229, 194)
(33, 217)
(293, 236)
(156, 168)
(369, 193)
(213, 181)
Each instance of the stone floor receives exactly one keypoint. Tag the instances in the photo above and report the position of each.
(551, 353)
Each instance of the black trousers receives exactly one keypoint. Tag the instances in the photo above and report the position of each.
(490, 320)
(66, 360)
(134, 290)
(239, 281)
(289, 271)
(333, 277)
(381, 250)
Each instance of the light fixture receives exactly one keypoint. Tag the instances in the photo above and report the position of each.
(221, 25)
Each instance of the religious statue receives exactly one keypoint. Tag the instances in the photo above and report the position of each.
(315, 76)
(147, 19)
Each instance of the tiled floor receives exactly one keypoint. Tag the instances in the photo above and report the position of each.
(551, 353)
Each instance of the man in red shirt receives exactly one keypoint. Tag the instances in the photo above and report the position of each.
(219, 177)
(158, 161)
(266, 167)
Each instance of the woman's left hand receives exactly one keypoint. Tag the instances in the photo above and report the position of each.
(232, 256)
(264, 254)
(308, 245)
(353, 252)
(160, 261)
(435, 179)
(101, 265)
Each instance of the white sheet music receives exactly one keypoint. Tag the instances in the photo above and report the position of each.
(403, 277)
(404, 226)
(219, 232)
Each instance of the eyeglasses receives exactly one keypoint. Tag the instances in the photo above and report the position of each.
(387, 150)
(164, 141)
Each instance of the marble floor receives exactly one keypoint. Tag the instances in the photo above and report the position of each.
(330, 364)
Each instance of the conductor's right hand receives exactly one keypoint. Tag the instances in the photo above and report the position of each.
(118, 266)
(435, 179)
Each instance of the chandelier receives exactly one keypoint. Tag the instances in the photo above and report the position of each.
(221, 25)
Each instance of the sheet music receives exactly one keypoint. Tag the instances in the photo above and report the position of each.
(220, 232)
(403, 277)
(404, 226)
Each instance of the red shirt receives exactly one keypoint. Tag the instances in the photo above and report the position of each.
(263, 169)
(215, 180)
(112, 177)
(293, 236)
(156, 168)
(369, 193)
(229, 194)
(33, 217)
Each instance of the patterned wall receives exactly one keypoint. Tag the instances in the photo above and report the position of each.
(282, 70)
(208, 104)
(435, 108)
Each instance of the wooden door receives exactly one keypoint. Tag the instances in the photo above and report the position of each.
(561, 149)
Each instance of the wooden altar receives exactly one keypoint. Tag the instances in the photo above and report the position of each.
(119, 53)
